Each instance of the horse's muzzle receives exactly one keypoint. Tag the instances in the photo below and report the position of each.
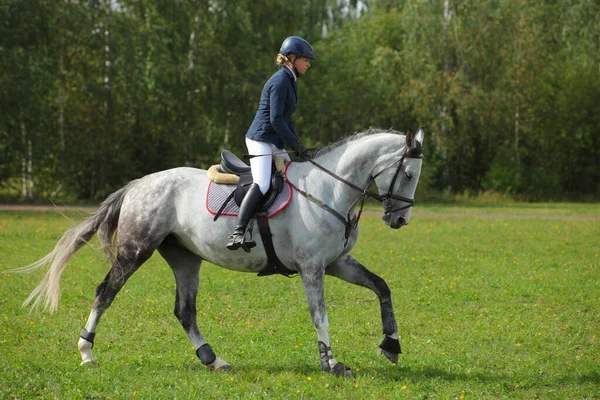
(393, 221)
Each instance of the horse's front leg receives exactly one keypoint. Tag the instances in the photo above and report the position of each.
(313, 281)
(350, 270)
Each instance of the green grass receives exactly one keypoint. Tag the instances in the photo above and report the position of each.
(487, 308)
(538, 209)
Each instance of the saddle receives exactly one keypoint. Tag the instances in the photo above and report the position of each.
(231, 164)
(233, 171)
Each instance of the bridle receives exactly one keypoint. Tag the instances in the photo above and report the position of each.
(349, 222)
(390, 195)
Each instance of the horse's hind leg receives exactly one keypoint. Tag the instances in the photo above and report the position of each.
(350, 270)
(186, 268)
(128, 260)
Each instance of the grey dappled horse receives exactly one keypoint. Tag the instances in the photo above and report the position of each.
(166, 211)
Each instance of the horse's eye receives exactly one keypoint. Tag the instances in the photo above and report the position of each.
(408, 175)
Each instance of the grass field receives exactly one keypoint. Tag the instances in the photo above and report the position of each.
(502, 307)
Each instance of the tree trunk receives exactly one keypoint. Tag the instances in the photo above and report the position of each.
(444, 97)
(108, 101)
(62, 83)
(518, 60)
(192, 43)
(61, 100)
(26, 163)
(191, 87)
(92, 186)
(226, 138)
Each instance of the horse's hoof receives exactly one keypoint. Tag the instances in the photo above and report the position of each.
(340, 369)
(390, 347)
(89, 362)
(219, 366)
(225, 368)
(390, 356)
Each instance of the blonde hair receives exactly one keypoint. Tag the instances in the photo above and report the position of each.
(281, 59)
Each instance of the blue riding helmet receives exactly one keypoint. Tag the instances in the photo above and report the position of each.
(297, 46)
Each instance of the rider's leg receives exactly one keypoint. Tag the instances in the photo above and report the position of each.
(261, 175)
(250, 204)
(261, 166)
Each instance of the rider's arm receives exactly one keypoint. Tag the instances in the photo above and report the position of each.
(280, 94)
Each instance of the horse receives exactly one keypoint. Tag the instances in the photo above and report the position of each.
(313, 235)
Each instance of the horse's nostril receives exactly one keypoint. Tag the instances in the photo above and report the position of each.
(401, 221)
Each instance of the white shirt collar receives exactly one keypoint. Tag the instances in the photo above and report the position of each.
(295, 79)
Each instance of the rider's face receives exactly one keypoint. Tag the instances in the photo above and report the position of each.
(302, 65)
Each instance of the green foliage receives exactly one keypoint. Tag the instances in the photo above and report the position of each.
(490, 303)
(96, 93)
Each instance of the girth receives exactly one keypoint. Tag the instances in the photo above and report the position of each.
(274, 264)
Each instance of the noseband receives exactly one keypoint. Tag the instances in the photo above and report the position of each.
(385, 199)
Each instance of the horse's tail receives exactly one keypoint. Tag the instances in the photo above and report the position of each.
(104, 221)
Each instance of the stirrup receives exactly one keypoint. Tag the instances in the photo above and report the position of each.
(237, 240)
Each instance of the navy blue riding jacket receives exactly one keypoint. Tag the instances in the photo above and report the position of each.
(273, 120)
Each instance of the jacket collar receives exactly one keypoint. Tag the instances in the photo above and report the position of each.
(290, 72)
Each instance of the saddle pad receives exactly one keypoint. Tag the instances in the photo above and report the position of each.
(218, 193)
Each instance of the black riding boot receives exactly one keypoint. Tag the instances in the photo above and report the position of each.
(248, 208)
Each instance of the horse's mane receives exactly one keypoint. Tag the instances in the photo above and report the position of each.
(371, 131)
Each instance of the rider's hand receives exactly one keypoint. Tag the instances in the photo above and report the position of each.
(301, 151)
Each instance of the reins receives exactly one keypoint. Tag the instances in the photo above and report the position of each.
(351, 223)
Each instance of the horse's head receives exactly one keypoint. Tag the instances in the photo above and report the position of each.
(397, 182)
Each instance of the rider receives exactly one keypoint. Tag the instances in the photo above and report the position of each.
(272, 128)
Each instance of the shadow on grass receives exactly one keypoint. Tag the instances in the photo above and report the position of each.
(416, 374)
(428, 373)
(592, 377)
(394, 374)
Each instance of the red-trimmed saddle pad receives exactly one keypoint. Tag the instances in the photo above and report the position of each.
(217, 193)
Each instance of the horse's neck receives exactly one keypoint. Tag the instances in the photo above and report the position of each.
(350, 163)
(354, 161)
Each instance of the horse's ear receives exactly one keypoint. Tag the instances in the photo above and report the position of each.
(414, 144)
(409, 138)
(420, 136)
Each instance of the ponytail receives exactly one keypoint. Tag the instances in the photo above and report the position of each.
(281, 59)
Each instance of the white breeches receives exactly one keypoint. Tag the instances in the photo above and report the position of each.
(261, 166)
